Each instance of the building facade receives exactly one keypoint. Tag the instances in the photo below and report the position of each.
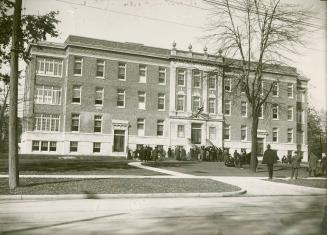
(88, 96)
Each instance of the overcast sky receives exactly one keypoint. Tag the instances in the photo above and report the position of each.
(160, 22)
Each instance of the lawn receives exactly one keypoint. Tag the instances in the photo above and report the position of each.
(38, 186)
(86, 165)
(219, 169)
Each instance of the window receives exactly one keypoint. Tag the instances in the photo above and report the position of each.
(100, 69)
(275, 111)
(99, 91)
(181, 77)
(196, 103)
(160, 127)
(44, 146)
(46, 122)
(97, 123)
(212, 133)
(122, 71)
(228, 105)
(243, 132)
(196, 133)
(275, 89)
(78, 63)
(73, 146)
(289, 135)
(212, 82)
(161, 101)
(75, 122)
(244, 109)
(53, 146)
(226, 132)
(289, 90)
(180, 102)
(180, 131)
(76, 94)
(212, 105)
(35, 145)
(96, 147)
(275, 135)
(49, 67)
(260, 115)
(228, 86)
(162, 75)
(141, 99)
(47, 95)
(142, 73)
(120, 98)
(140, 126)
(290, 113)
(196, 79)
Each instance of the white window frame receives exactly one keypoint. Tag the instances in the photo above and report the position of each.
(34, 145)
(75, 118)
(77, 88)
(196, 99)
(161, 124)
(290, 85)
(246, 109)
(101, 91)
(54, 61)
(163, 97)
(142, 78)
(181, 71)
(97, 118)
(100, 62)
(228, 102)
(214, 104)
(122, 65)
(40, 95)
(275, 130)
(141, 105)
(262, 114)
(180, 131)
(277, 111)
(47, 122)
(229, 81)
(96, 147)
(70, 146)
(78, 59)
(162, 70)
(290, 131)
(196, 74)
(183, 98)
(246, 134)
(290, 108)
(140, 121)
(276, 86)
(227, 127)
(122, 93)
(212, 78)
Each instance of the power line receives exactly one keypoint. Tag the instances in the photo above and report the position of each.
(129, 14)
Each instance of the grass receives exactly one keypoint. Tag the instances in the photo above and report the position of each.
(38, 186)
(93, 165)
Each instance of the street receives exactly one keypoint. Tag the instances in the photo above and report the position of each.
(219, 216)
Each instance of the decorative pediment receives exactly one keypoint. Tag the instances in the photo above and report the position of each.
(120, 124)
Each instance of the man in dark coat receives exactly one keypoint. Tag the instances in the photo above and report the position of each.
(269, 158)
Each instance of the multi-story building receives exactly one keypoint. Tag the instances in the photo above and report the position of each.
(89, 96)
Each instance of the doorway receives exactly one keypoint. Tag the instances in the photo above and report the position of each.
(119, 140)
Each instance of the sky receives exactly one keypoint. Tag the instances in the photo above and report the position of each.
(160, 22)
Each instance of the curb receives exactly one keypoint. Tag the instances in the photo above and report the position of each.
(121, 196)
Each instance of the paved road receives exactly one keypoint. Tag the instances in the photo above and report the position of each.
(282, 215)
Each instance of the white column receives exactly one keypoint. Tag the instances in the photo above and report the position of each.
(172, 88)
(189, 90)
(205, 92)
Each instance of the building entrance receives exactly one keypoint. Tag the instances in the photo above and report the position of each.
(119, 140)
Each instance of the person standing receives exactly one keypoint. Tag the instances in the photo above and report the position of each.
(269, 158)
(295, 164)
(313, 163)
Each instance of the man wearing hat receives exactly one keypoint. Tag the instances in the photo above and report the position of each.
(269, 158)
(295, 163)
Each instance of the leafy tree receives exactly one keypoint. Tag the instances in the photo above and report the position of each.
(33, 29)
(257, 34)
(315, 132)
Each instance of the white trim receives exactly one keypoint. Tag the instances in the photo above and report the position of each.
(230, 107)
(145, 72)
(165, 71)
(178, 69)
(80, 94)
(272, 135)
(141, 94)
(104, 69)
(125, 73)
(277, 89)
(82, 60)
(246, 133)
(292, 108)
(272, 108)
(290, 97)
(124, 98)
(164, 99)
(246, 109)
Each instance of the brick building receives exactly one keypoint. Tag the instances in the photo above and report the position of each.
(89, 96)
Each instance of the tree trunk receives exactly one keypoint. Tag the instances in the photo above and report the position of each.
(254, 140)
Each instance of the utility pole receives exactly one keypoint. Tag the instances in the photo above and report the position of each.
(13, 134)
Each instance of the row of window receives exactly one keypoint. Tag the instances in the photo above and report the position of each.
(196, 79)
(275, 90)
(51, 146)
(197, 104)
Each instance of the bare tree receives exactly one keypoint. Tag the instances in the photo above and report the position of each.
(258, 35)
